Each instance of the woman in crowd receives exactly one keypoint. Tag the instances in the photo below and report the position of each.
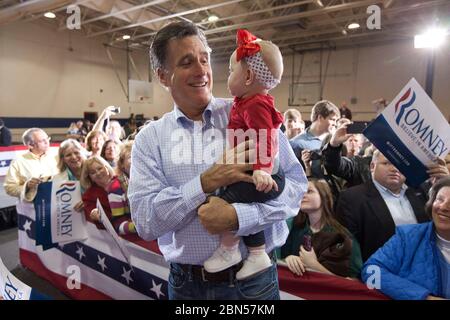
(94, 142)
(117, 193)
(415, 263)
(96, 175)
(112, 129)
(71, 156)
(109, 152)
(100, 181)
(115, 132)
(333, 249)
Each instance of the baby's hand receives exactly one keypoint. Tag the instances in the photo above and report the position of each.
(263, 181)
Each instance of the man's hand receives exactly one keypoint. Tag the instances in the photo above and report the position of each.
(33, 183)
(438, 170)
(218, 216)
(231, 168)
(306, 157)
(340, 135)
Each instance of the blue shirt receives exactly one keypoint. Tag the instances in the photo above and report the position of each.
(165, 190)
(307, 141)
(445, 276)
(398, 204)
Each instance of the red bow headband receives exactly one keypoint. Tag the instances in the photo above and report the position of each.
(246, 45)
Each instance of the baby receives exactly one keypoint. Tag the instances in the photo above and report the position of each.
(256, 67)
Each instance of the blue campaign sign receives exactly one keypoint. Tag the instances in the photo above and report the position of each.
(411, 132)
(42, 204)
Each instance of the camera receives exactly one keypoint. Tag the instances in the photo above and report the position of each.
(315, 155)
(357, 127)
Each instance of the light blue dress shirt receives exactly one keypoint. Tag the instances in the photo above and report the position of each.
(306, 141)
(398, 205)
(165, 190)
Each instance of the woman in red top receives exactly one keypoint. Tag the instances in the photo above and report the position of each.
(96, 175)
(255, 68)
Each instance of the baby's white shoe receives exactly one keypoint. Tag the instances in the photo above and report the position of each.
(253, 264)
(222, 259)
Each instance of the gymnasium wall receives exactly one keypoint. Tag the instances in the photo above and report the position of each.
(54, 76)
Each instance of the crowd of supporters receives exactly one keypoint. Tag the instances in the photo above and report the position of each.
(358, 210)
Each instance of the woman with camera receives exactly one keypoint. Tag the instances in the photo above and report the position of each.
(112, 129)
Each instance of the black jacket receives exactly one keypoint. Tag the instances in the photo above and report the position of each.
(5, 137)
(354, 170)
(362, 210)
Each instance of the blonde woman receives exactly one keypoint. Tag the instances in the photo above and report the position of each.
(96, 175)
(71, 156)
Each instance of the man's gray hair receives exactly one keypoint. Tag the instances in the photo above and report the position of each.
(174, 30)
(27, 136)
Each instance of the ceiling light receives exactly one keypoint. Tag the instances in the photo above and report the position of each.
(126, 37)
(353, 25)
(50, 15)
(213, 18)
(432, 38)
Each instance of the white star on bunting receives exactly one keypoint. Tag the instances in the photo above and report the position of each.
(80, 253)
(127, 275)
(157, 289)
(27, 226)
(101, 262)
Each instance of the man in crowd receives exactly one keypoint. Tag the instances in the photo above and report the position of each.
(353, 145)
(307, 146)
(170, 182)
(354, 170)
(345, 111)
(371, 211)
(323, 117)
(5, 135)
(293, 123)
(31, 168)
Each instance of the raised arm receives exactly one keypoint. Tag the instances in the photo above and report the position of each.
(106, 113)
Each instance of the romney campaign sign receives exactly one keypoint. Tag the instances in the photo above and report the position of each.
(411, 132)
(57, 222)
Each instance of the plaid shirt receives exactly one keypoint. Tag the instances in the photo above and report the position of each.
(165, 189)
